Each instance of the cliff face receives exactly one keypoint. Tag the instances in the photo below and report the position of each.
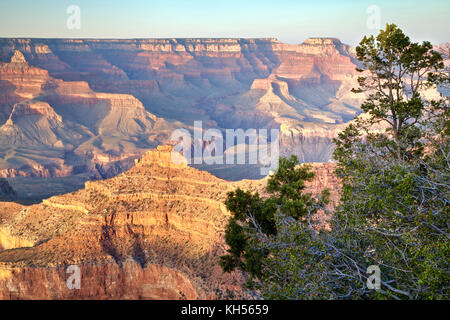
(153, 232)
(88, 108)
(173, 77)
(62, 128)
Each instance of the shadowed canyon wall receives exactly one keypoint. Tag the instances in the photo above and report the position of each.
(87, 108)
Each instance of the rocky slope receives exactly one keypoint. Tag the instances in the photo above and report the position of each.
(153, 232)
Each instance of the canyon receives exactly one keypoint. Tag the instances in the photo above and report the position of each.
(73, 110)
(87, 173)
(77, 121)
(155, 231)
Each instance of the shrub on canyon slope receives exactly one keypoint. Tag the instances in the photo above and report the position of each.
(394, 210)
(255, 217)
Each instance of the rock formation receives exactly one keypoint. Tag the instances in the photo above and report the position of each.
(227, 83)
(153, 232)
(51, 128)
(88, 108)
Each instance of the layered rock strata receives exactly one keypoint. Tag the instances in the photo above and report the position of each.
(155, 231)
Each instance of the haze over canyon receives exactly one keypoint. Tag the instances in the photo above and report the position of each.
(76, 110)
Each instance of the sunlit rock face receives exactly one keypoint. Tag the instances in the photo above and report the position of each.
(155, 231)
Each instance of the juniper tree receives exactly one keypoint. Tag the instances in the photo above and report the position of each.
(253, 216)
(394, 210)
(396, 73)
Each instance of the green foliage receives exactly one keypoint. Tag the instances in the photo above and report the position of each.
(394, 205)
(396, 71)
(251, 212)
(394, 210)
(286, 187)
(395, 215)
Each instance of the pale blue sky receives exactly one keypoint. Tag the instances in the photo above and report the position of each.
(290, 21)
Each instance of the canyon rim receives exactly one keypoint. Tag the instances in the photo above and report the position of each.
(224, 150)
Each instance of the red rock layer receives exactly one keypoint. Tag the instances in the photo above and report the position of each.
(153, 232)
